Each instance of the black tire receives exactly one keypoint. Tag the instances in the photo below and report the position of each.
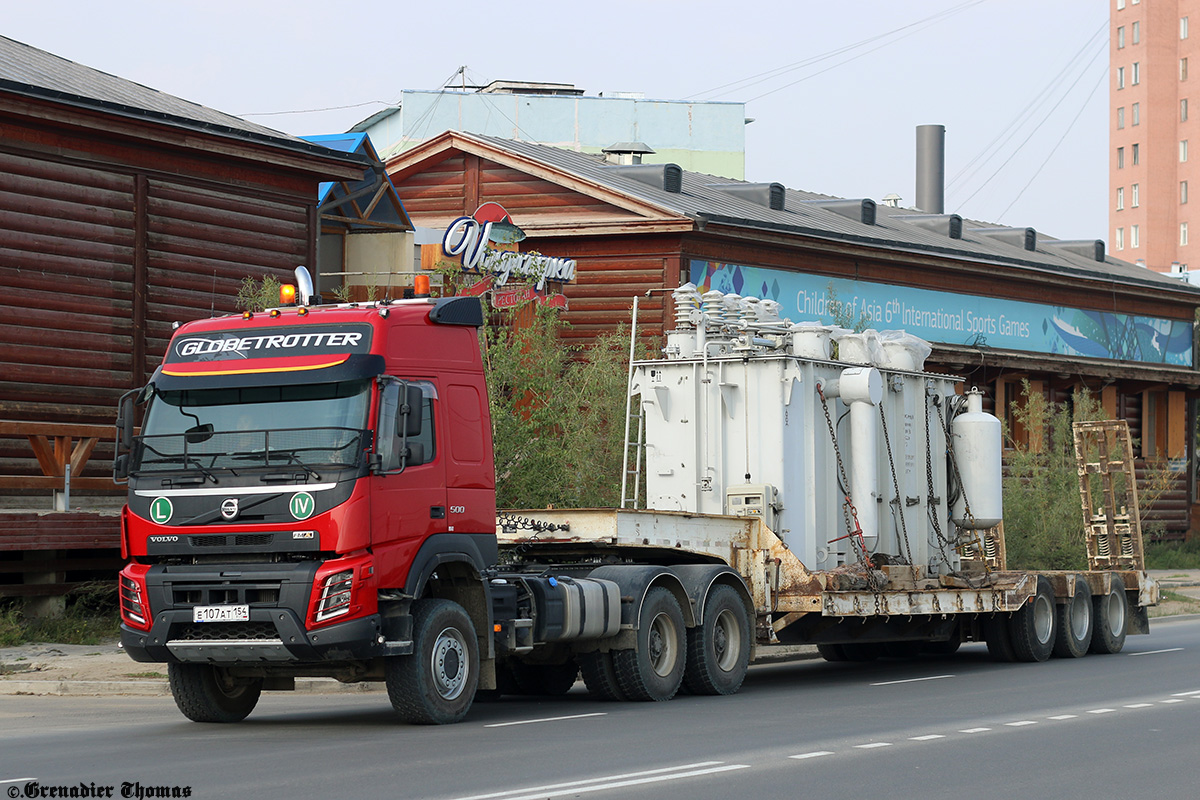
(550, 680)
(1075, 622)
(718, 650)
(903, 650)
(436, 684)
(600, 676)
(996, 634)
(1110, 619)
(1032, 627)
(654, 670)
(943, 649)
(832, 652)
(205, 693)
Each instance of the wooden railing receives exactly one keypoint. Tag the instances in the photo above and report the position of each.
(62, 450)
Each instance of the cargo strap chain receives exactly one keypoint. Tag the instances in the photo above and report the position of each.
(942, 541)
(849, 512)
(906, 551)
(976, 536)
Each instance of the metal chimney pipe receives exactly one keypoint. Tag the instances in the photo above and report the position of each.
(931, 168)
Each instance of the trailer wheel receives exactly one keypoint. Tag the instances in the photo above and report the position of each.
(205, 693)
(832, 652)
(1075, 622)
(862, 652)
(1032, 626)
(654, 670)
(718, 650)
(996, 634)
(600, 676)
(1112, 612)
(544, 679)
(436, 684)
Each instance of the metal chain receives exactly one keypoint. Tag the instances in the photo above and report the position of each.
(849, 512)
(906, 551)
(511, 522)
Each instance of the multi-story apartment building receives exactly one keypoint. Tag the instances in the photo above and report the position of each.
(1152, 132)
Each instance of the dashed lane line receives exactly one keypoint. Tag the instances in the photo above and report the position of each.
(872, 745)
(912, 680)
(545, 719)
(1021, 723)
(611, 782)
(1156, 652)
(813, 754)
(975, 730)
(1063, 716)
(927, 738)
(1102, 711)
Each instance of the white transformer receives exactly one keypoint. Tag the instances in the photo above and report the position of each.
(749, 414)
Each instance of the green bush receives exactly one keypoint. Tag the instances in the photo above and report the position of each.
(90, 617)
(1173, 555)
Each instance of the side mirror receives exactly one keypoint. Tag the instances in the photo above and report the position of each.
(125, 421)
(198, 433)
(121, 467)
(410, 411)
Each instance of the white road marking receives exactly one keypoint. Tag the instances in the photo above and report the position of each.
(611, 782)
(1065, 716)
(1019, 723)
(17, 780)
(912, 680)
(872, 745)
(1156, 652)
(813, 754)
(1139, 705)
(1170, 701)
(1102, 710)
(975, 730)
(1186, 694)
(545, 719)
(926, 738)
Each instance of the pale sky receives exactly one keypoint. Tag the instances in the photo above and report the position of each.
(1020, 85)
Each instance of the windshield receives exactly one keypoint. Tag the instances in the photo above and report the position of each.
(317, 425)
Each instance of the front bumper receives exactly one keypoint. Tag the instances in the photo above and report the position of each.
(272, 635)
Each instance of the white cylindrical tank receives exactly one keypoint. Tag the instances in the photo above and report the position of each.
(977, 443)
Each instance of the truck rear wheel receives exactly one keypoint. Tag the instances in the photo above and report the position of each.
(1111, 612)
(718, 652)
(1032, 626)
(600, 676)
(654, 670)
(436, 684)
(205, 693)
(832, 652)
(996, 634)
(1075, 622)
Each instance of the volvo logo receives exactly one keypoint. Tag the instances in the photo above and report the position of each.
(229, 509)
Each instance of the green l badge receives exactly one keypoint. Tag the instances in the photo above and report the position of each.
(161, 510)
(302, 505)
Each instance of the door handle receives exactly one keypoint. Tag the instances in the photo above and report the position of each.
(437, 512)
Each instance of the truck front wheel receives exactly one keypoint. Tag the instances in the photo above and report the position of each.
(205, 693)
(436, 684)
(654, 670)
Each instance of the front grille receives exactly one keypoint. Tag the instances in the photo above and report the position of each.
(227, 631)
(234, 539)
(185, 594)
(251, 539)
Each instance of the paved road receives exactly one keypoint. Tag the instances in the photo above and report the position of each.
(1104, 726)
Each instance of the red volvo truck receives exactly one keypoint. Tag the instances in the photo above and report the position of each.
(312, 494)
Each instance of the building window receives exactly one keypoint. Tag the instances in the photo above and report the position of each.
(1120, 158)
(1133, 196)
(1182, 192)
(1137, 75)
(1120, 77)
(1136, 32)
(1120, 197)
(1183, 69)
(1120, 238)
(1133, 114)
(1183, 150)
(1183, 110)
(1182, 233)
(1137, 149)
(1183, 27)
(1120, 37)
(1133, 237)
(1120, 117)
(1120, 5)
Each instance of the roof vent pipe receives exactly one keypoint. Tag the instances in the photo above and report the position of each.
(931, 168)
(770, 195)
(626, 152)
(668, 177)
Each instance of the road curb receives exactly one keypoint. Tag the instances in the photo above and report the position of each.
(77, 688)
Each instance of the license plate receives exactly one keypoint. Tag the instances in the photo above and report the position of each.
(220, 613)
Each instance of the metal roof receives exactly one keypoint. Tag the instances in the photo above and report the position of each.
(702, 199)
(29, 71)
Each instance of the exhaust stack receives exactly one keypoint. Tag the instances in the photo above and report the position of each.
(931, 168)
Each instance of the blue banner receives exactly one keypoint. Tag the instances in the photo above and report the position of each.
(960, 319)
